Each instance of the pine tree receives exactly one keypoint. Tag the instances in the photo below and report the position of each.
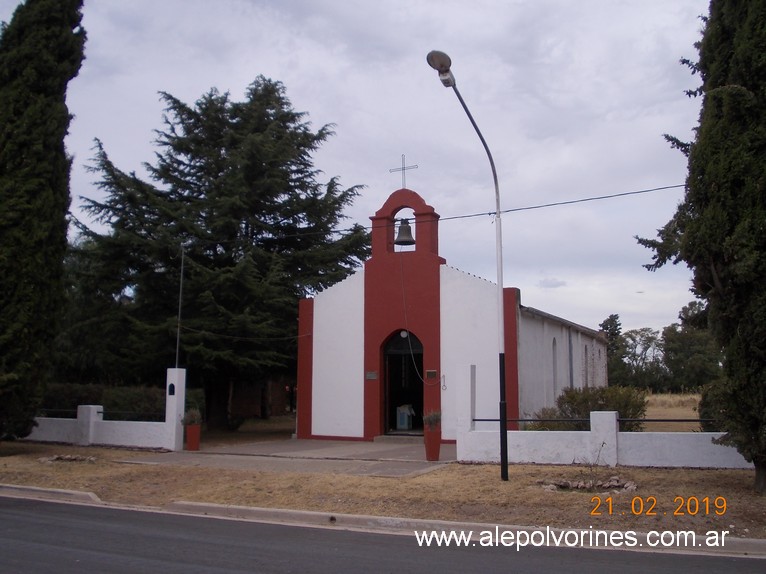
(234, 187)
(616, 367)
(719, 230)
(41, 50)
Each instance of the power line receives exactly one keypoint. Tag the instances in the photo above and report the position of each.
(567, 202)
(596, 198)
(511, 210)
(455, 217)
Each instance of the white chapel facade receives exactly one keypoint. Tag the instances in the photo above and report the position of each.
(403, 333)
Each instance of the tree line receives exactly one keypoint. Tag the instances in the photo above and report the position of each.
(682, 357)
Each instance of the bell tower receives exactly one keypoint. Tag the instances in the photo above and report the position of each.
(402, 295)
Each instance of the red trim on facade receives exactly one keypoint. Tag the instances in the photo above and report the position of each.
(511, 302)
(305, 367)
(401, 291)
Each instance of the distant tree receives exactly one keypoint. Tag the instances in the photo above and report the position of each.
(644, 359)
(616, 367)
(234, 187)
(41, 50)
(718, 230)
(690, 353)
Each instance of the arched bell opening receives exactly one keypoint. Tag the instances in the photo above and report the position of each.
(405, 234)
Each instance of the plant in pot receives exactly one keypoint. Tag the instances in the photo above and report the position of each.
(432, 434)
(192, 422)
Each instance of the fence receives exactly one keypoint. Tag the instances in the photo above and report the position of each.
(604, 445)
(90, 427)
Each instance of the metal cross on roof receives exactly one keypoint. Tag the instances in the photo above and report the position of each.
(403, 169)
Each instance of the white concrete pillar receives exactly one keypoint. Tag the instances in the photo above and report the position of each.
(87, 417)
(466, 412)
(603, 434)
(175, 402)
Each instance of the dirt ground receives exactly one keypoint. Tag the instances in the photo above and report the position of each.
(675, 499)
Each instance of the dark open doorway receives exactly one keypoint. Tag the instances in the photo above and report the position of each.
(404, 384)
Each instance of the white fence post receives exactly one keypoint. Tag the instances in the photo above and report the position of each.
(87, 417)
(603, 435)
(175, 403)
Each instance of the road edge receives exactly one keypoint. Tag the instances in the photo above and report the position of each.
(735, 547)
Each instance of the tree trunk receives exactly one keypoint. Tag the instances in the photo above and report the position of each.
(230, 403)
(266, 399)
(216, 406)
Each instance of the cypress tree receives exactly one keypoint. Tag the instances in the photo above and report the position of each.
(41, 50)
(719, 229)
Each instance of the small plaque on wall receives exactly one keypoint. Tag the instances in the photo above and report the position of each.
(431, 374)
(371, 375)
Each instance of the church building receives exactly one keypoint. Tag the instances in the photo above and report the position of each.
(402, 336)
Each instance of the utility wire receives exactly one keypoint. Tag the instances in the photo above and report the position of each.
(454, 217)
(568, 202)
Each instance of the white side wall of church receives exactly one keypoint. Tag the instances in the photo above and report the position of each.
(338, 356)
(469, 337)
(554, 356)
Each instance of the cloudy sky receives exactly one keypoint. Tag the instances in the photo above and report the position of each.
(572, 98)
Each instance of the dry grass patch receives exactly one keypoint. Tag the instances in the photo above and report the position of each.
(672, 406)
(472, 493)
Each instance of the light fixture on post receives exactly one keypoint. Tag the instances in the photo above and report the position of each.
(404, 237)
(442, 63)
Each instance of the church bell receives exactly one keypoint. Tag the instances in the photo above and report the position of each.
(404, 237)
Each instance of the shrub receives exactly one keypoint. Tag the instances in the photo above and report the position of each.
(120, 403)
(134, 403)
(61, 400)
(549, 421)
(629, 402)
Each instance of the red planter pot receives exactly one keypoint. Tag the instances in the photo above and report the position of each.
(193, 433)
(433, 441)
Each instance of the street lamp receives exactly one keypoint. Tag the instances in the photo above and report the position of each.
(180, 302)
(442, 63)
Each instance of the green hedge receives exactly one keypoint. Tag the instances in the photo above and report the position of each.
(120, 403)
(629, 402)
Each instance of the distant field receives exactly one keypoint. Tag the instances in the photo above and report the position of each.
(672, 406)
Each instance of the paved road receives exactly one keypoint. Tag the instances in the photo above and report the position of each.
(42, 537)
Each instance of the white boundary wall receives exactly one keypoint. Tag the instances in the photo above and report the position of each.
(90, 427)
(602, 445)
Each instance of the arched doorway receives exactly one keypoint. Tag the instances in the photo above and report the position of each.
(403, 357)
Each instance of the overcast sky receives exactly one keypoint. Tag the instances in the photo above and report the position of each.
(572, 97)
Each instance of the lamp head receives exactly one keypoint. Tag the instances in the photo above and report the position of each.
(442, 63)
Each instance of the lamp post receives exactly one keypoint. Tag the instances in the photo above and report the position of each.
(180, 302)
(441, 62)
